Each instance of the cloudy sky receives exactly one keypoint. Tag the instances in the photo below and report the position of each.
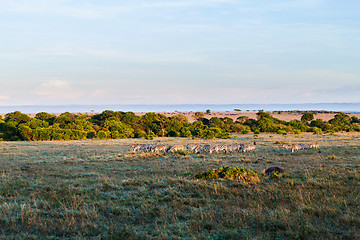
(179, 51)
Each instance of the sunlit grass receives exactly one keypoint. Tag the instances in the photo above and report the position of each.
(97, 189)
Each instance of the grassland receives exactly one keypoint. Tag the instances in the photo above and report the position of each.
(98, 190)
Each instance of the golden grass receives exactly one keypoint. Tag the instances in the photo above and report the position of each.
(98, 190)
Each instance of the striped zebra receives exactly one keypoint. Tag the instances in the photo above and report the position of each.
(175, 148)
(314, 146)
(191, 148)
(145, 147)
(235, 147)
(297, 147)
(159, 148)
(218, 147)
(205, 148)
(197, 149)
(134, 147)
(287, 146)
(250, 147)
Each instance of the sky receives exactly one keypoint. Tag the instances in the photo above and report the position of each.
(62, 52)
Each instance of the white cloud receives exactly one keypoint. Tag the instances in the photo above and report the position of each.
(57, 89)
(4, 97)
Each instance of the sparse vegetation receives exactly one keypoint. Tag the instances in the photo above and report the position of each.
(99, 190)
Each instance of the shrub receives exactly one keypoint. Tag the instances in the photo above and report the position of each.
(103, 134)
(316, 130)
(208, 134)
(280, 132)
(150, 135)
(297, 131)
(233, 173)
(307, 117)
(225, 135)
(257, 132)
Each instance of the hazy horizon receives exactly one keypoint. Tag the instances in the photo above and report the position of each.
(341, 107)
(180, 52)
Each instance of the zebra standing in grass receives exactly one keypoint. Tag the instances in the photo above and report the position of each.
(197, 149)
(287, 146)
(159, 148)
(175, 148)
(134, 147)
(205, 148)
(191, 148)
(297, 147)
(250, 147)
(235, 147)
(145, 147)
(314, 146)
(218, 147)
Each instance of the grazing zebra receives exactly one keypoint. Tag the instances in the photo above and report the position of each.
(197, 149)
(314, 146)
(159, 148)
(175, 148)
(134, 147)
(297, 147)
(250, 147)
(145, 147)
(287, 146)
(191, 148)
(205, 148)
(218, 147)
(235, 147)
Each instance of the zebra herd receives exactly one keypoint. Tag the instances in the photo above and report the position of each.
(194, 148)
(296, 147)
(215, 148)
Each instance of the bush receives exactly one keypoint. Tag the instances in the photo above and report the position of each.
(297, 131)
(103, 134)
(280, 132)
(208, 134)
(225, 135)
(150, 135)
(316, 130)
(257, 132)
(232, 173)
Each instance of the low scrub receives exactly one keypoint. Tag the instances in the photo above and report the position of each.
(233, 173)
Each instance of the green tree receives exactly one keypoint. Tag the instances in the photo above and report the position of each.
(17, 117)
(118, 129)
(181, 118)
(46, 117)
(307, 117)
(198, 115)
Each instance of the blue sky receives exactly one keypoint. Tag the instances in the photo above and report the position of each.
(180, 51)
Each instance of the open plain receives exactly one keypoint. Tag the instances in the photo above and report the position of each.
(98, 189)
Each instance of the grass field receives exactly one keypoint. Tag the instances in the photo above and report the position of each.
(99, 190)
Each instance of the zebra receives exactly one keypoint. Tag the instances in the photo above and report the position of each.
(134, 147)
(235, 147)
(158, 148)
(297, 147)
(250, 147)
(198, 148)
(218, 147)
(175, 148)
(314, 146)
(191, 148)
(205, 148)
(145, 147)
(287, 146)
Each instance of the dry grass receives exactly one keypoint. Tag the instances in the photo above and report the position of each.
(98, 190)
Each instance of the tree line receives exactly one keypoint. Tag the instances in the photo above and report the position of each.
(17, 126)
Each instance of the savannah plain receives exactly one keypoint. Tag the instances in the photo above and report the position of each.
(98, 189)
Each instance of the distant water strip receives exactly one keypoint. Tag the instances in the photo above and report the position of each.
(341, 107)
